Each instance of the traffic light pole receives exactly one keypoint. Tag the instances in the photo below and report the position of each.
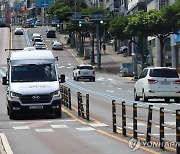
(98, 47)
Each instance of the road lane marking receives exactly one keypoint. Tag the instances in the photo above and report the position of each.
(44, 130)
(99, 79)
(21, 127)
(111, 91)
(126, 141)
(5, 143)
(85, 129)
(59, 126)
(61, 66)
(98, 125)
(110, 79)
(110, 85)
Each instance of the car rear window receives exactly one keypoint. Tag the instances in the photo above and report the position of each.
(86, 67)
(51, 31)
(166, 73)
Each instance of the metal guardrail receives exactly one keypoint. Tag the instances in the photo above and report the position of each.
(66, 96)
(84, 113)
(148, 120)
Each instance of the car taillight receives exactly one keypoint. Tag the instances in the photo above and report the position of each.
(177, 82)
(152, 81)
(79, 72)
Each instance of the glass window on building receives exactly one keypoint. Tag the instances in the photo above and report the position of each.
(152, 43)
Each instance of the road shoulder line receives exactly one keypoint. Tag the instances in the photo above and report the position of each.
(6, 147)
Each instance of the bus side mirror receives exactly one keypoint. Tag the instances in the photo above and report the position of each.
(62, 78)
(5, 81)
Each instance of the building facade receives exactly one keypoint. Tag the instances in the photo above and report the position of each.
(172, 46)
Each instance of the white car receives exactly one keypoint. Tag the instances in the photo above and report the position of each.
(36, 35)
(29, 49)
(158, 82)
(57, 45)
(18, 31)
(39, 46)
(84, 72)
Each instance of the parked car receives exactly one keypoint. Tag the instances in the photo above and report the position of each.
(51, 33)
(39, 46)
(18, 31)
(84, 71)
(158, 82)
(57, 45)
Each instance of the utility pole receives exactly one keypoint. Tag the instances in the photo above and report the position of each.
(98, 49)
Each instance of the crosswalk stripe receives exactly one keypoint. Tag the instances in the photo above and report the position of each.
(85, 129)
(44, 130)
(21, 127)
(98, 125)
(59, 126)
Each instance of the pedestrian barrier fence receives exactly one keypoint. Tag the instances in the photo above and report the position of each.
(119, 112)
(84, 113)
(66, 96)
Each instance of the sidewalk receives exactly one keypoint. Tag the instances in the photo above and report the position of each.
(110, 60)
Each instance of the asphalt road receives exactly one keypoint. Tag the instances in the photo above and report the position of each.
(67, 135)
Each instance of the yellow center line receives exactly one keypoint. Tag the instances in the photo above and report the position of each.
(103, 132)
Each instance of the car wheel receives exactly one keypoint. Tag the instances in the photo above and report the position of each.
(136, 98)
(144, 98)
(94, 79)
(7, 110)
(177, 100)
(167, 100)
(58, 113)
(11, 115)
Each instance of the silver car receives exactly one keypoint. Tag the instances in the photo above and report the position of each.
(57, 46)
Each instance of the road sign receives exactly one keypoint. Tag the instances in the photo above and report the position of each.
(77, 16)
(55, 20)
(97, 16)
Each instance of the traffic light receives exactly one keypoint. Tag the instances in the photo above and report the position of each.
(80, 23)
(101, 21)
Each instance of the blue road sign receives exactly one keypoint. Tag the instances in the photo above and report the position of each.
(97, 16)
(17, 5)
(77, 16)
(43, 3)
(55, 20)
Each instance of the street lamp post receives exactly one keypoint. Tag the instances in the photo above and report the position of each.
(98, 47)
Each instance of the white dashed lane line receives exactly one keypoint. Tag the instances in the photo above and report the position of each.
(44, 130)
(59, 126)
(21, 127)
(111, 91)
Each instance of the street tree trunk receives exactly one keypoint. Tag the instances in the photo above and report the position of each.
(162, 44)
